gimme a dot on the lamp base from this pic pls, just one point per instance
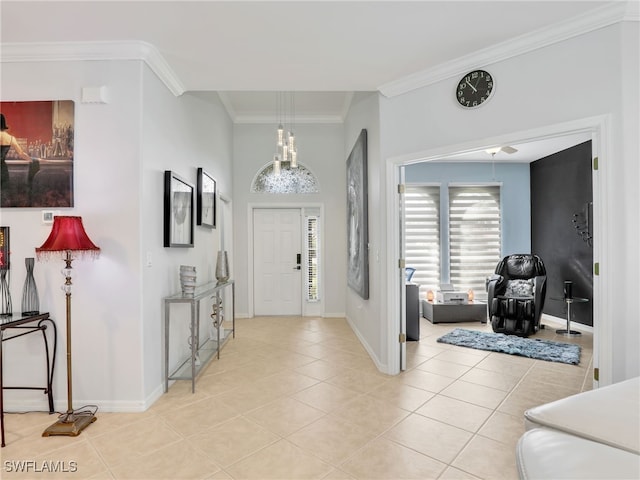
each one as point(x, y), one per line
point(70, 425)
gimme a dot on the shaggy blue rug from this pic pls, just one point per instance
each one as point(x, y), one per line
point(525, 347)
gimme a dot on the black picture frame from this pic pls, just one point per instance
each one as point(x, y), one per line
point(358, 218)
point(178, 211)
point(206, 206)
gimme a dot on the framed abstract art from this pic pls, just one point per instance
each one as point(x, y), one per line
point(206, 206)
point(357, 218)
point(178, 211)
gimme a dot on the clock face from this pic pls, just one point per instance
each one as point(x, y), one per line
point(474, 89)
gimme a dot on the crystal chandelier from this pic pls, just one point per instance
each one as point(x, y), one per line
point(286, 149)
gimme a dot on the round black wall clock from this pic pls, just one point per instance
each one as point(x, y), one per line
point(475, 88)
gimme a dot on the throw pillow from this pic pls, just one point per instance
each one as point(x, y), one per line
point(519, 288)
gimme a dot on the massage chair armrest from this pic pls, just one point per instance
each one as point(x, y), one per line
point(494, 279)
point(495, 285)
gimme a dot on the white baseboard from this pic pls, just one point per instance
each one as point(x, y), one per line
point(32, 405)
point(384, 368)
point(562, 323)
point(324, 315)
point(60, 405)
point(154, 396)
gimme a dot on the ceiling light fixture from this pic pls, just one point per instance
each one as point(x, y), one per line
point(286, 148)
point(506, 149)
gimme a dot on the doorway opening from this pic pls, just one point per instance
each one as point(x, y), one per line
point(597, 129)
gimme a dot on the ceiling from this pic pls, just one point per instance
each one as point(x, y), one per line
point(526, 152)
point(324, 51)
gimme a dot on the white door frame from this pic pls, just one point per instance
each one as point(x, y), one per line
point(250, 258)
point(224, 221)
point(600, 129)
point(403, 254)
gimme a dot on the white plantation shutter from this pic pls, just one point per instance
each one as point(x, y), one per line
point(312, 253)
point(422, 234)
point(474, 236)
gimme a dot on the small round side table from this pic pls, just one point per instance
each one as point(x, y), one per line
point(567, 331)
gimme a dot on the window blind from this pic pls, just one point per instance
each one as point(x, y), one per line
point(312, 252)
point(422, 234)
point(474, 236)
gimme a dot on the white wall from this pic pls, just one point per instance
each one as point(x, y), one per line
point(591, 75)
point(321, 149)
point(368, 317)
point(106, 293)
point(178, 134)
point(627, 176)
point(121, 149)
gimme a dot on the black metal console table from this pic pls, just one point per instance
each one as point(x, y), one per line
point(24, 325)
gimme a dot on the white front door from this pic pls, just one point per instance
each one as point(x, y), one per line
point(277, 250)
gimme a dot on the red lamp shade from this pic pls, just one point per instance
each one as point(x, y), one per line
point(67, 234)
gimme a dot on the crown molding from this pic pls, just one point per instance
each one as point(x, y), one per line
point(300, 119)
point(348, 98)
point(585, 23)
point(92, 51)
point(633, 11)
point(228, 106)
point(270, 119)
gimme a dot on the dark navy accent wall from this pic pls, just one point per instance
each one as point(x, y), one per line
point(561, 188)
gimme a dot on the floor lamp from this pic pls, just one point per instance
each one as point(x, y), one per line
point(69, 239)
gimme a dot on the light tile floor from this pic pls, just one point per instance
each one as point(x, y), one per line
point(298, 398)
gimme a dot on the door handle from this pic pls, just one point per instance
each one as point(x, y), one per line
point(297, 267)
point(298, 261)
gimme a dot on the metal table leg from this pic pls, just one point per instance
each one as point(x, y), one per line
point(568, 332)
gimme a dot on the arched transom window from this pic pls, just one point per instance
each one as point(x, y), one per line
point(288, 181)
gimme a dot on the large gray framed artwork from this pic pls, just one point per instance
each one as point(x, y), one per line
point(358, 218)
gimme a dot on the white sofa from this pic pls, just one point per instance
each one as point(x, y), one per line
point(591, 435)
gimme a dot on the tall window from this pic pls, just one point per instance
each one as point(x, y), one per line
point(312, 254)
point(474, 235)
point(422, 234)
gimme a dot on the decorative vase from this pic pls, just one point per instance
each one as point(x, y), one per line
point(187, 280)
point(222, 267)
point(30, 300)
point(5, 295)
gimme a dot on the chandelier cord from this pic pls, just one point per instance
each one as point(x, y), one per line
point(286, 149)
